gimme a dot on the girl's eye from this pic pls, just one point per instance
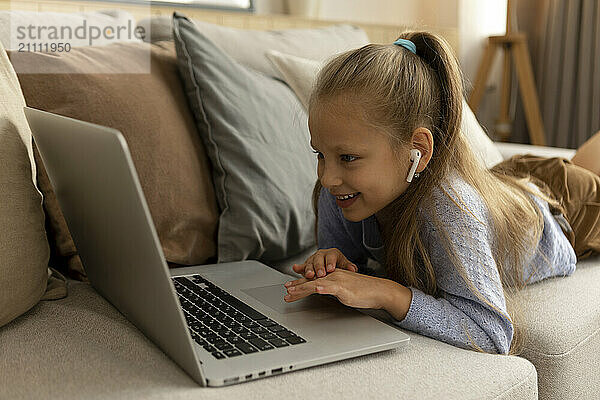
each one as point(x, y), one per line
point(345, 157)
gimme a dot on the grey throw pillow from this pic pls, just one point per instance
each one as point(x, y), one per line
point(256, 136)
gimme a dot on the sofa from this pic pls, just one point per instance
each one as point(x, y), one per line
point(64, 340)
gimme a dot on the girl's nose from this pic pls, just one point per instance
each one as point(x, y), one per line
point(330, 178)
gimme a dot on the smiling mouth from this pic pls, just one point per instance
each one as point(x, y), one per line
point(347, 196)
point(348, 201)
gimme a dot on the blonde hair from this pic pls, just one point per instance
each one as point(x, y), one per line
point(398, 92)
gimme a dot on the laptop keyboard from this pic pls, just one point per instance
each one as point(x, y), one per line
point(225, 326)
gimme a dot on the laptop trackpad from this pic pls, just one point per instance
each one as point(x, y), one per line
point(272, 296)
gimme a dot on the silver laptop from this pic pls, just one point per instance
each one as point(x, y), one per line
point(222, 323)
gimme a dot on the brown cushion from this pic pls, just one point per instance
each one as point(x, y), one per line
point(151, 111)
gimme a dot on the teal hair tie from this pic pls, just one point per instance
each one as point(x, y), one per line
point(407, 44)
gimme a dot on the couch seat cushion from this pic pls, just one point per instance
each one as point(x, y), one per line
point(562, 321)
point(88, 349)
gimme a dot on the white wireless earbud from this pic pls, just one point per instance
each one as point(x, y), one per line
point(415, 157)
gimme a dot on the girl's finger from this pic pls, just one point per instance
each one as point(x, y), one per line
point(295, 282)
point(350, 266)
point(330, 261)
point(319, 265)
point(298, 268)
point(300, 291)
point(309, 270)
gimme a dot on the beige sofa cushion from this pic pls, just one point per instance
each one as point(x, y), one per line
point(92, 351)
point(24, 250)
point(562, 320)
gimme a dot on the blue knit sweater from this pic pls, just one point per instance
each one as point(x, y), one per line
point(457, 313)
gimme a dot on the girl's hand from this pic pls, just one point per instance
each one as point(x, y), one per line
point(322, 262)
point(353, 290)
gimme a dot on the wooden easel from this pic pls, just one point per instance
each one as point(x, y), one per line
point(515, 44)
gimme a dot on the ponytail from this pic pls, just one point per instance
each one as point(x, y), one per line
point(437, 53)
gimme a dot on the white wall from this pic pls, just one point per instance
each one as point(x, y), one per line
point(392, 12)
point(479, 19)
point(475, 20)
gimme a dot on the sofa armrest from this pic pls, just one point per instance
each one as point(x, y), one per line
point(510, 149)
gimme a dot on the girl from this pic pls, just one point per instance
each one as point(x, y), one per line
point(397, 182)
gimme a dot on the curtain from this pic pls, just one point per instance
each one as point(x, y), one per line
point(564, 42)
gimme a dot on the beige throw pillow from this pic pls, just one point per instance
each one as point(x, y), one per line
point(300, 73)
point(24, 251)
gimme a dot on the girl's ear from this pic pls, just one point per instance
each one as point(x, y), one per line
point(422, 139)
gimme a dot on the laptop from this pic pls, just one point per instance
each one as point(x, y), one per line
point(222, 323)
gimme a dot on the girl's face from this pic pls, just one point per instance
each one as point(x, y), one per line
point(355, 158)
